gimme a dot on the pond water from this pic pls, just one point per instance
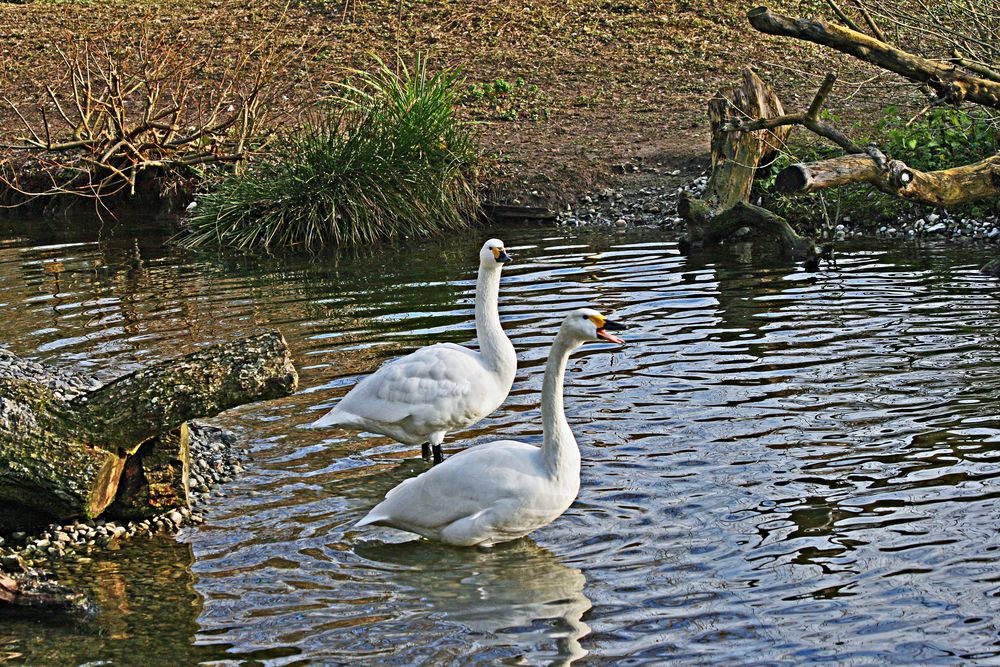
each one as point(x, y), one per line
point(780, 467)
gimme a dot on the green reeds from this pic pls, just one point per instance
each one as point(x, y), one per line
point(392, 160)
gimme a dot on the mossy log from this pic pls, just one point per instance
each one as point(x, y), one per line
point(724, 209)
point(66, 457)
point(945, 187)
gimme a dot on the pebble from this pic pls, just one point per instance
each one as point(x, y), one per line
point(656, 207)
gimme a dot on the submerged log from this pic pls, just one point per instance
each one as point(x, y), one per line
point(725, 213)
point(946, 187)
point(27, 591)
point(66, 457)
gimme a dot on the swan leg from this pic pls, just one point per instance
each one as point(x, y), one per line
point(435, 441)
point(425, 451)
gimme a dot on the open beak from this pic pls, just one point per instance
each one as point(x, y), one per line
point(504, 258)
point(604, 333)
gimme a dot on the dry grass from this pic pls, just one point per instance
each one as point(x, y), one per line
point(603, 82)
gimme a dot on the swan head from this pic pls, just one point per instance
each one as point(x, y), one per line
point(493, 255)
point(586, 324)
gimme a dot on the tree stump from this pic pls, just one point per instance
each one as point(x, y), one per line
point(724, 213)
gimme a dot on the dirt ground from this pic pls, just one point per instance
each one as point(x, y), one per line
point(595, 93)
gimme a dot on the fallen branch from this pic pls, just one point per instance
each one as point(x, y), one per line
point(949, 83)
point(947, 187)
point(809, 119)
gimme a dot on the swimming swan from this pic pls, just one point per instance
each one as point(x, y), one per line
point(419, 398)
point(502, 490)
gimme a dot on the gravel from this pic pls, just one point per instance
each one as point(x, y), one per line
point(619, 208)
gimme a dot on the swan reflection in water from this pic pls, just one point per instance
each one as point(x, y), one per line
point(494, 591)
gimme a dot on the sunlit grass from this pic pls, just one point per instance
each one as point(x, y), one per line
point(390, 160)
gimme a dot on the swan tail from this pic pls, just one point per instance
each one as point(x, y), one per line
point(370, 519)
point(331, 418)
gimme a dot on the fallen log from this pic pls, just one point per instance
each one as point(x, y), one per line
point(946, 187)
point(724, 212)
point(65, 457)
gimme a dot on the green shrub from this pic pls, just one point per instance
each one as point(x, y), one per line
point(942, 138)
point(391, 160)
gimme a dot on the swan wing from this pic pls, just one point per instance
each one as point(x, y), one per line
point(437, 388)
point(468, 483)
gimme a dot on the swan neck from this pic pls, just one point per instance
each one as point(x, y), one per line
point(559, 449)
point(494, 346)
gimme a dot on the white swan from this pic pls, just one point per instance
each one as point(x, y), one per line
point(502, 490)
point(419, 398)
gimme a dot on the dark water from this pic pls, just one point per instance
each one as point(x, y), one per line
point(780, 468)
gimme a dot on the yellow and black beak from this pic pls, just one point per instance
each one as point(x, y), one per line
point(602, 332)
point(500, 254)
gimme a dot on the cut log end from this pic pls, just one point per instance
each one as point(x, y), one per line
point(105, 486)
point(793, 178)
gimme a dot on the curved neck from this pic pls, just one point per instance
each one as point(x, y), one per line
point(494, 346)
point(559, 450)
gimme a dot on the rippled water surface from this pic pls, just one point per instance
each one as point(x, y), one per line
point(779, 468)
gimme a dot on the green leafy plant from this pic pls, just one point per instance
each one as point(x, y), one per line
point(391, 160)
point(503, 100)
point(943, 137)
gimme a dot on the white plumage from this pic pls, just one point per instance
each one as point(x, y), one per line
point(501, 490)
point(419, 398)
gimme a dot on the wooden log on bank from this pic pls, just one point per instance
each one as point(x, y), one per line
point(66, 457)
point(945, 187)
point(724, 213)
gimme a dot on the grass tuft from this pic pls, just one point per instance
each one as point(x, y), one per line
point(390, 160)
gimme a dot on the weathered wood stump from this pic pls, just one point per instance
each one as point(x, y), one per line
point(66, 457)
point(725, 213)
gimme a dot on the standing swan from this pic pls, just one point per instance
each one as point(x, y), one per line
point(502, 490)
point(419, 398)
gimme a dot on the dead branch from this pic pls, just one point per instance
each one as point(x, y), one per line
point(870, 22)
point(117, 119)
point(809, 119)
point(973, 66)
point(948, 83)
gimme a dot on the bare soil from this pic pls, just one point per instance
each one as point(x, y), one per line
point(600, 92)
